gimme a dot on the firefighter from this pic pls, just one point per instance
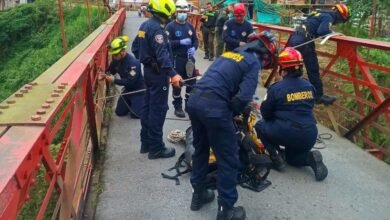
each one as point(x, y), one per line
point(209, 20)
point(183, 40)
point(156, 55)
point(129, 70)
point(236, 31)
point(317, 25)
point(288, 118)
point(224, 91)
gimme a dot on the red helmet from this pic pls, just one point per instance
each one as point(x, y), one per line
point(290, 57)
point(268, 57)
point(344, 11)
point(239, 10)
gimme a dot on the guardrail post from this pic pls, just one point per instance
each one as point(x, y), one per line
point(91, 117)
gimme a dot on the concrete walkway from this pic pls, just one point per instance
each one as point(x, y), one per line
point(358, 185)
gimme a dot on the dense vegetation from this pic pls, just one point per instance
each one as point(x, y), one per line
point(30, 40)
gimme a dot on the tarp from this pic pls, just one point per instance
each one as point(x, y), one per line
point(265, 13)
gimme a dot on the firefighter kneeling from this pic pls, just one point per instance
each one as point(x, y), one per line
point(288, 118)
point(225, 90)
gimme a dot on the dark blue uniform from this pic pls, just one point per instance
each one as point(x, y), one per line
point(233, 33)
point(288, 119)
point(209, 107)
point(177, 32)
point(129, 70)
point(316, 25)
point(156, 56)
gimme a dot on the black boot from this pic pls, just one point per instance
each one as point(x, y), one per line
point(315, 162)
point(166, 152)
point(179, 112)
point(201, 196)
point(144, 149)
point(235, 213)
point(278, 162)
point(326, 100)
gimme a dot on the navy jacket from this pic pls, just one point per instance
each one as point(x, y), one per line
point(233, 33)
point(129, 70)
point(176, 32)
point(153, 46)
point(232, 74)
point(291, 99)
point(319, 24)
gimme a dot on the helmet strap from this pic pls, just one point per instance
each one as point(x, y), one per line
point(162, 18)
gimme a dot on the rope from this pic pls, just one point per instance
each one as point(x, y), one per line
point(176, 136)
point(320, 140)
point(143, 90)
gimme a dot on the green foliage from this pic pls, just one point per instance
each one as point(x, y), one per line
point(32, 42)
point(361, 10)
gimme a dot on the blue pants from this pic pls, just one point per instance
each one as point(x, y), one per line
point(130, 104)
point(297, 139)
point(154, 110)
point(212, 125)
point(180, 67)
point(310, 60)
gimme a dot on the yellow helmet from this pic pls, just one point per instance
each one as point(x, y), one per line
point(162, 7)
point(118, 44)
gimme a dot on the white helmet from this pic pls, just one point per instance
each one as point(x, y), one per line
point(182, 5)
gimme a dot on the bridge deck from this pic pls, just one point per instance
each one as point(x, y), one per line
point(358, 185)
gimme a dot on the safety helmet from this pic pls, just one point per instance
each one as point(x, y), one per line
point(290, 57)
point(344, 11)
point(182, 5)
point(163, 7)
point(269, 49)
point(118, 44)
point(239, 10)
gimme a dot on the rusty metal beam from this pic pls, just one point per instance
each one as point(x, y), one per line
point(63, 36)
point(366, 120)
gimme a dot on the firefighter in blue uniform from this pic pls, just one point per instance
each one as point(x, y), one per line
point(129, 70)
point(156, 56)
point(183, 40)
point(224, 91)
point(236, 31)
point(317, 25)
point(288, 118)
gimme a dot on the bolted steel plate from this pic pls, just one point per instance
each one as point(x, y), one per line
point(27, 109)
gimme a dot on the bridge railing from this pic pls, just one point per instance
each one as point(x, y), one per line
point(362, 111)
point(51, 128)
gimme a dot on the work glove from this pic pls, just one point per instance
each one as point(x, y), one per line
point(237, 105)
point(191, 51)
point(185, 41)
point(176, 81)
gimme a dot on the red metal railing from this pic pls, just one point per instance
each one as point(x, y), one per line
point(69, 105)
point(362, 111)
